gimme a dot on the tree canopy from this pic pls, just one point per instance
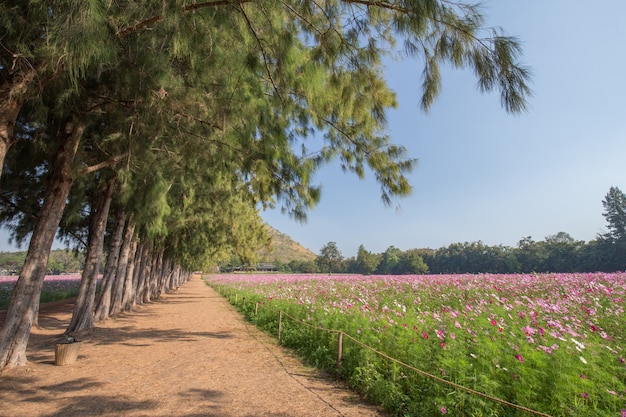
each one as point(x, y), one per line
point(614, 204)
point(330, 258)
point(613, 243)
point(185, 119)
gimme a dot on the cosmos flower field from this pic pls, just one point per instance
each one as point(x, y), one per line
point(551, 344)
point(55, 287)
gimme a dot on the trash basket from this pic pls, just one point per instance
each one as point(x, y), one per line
point(66, 353)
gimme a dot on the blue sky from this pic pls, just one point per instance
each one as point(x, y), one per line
point(487, 175)
point(484, 174)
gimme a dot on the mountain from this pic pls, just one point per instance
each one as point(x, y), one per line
point(285, 249)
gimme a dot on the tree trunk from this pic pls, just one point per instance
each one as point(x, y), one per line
point(6, 137)
point(148, 274)
point(184, 277)
point(110, 269)
point(130, 286)
point(13, 93)
point(169, 276)
point(138, 277)
point(82, 316)
point(24, 303)
point(146, 268)
point(121, 281)
point(173, 281)
point(158, 272)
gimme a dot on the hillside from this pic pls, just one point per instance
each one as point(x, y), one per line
point(285, 249)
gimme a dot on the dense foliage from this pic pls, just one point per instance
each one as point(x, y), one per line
point(552, 343)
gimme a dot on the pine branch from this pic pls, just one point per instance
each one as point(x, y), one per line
point(190, 8)
point(107, 101)
point(6, 201)
point(76, 237)
point(381, 4)
point(197, 6)
point(114, 160)
point(202, 122)
point(265, 55)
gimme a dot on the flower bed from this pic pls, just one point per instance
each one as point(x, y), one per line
point(55, 287)
point(550, 342)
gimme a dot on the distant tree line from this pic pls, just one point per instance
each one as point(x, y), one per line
point(556, 253)
point(60, 261)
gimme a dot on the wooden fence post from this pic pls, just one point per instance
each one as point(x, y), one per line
point(256, 308)
point(339, 349)
point(280, 323)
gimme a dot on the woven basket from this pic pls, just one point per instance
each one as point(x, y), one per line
point(66, 353)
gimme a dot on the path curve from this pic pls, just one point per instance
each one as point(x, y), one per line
point(188, 354)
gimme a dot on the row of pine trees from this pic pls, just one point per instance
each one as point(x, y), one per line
point(174, 123)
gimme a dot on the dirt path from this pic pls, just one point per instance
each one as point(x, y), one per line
point(187, 354)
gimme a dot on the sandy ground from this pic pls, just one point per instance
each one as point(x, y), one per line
point(187, 354)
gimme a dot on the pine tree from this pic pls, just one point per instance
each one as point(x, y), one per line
point(614, 204)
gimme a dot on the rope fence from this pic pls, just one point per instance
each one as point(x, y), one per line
point(340, 335)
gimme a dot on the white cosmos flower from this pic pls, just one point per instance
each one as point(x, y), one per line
point(579, 345)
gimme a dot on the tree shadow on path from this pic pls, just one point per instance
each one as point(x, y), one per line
point(132, 336)
point(69, 399)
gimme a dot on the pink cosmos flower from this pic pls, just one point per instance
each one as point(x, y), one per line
point(444, 410)
point(546, 349)
point(519, 358)
point(584, 395)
